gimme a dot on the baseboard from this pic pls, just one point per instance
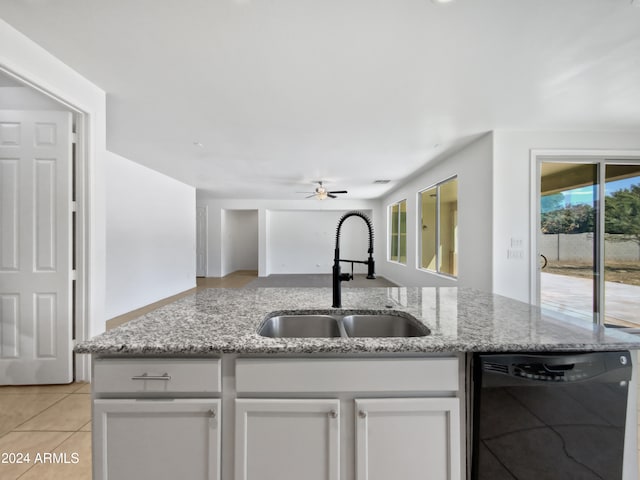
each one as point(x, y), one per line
point(138, 312)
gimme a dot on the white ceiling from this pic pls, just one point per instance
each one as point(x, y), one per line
point(283, 92)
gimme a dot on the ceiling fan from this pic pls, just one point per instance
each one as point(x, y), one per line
point(321, 193)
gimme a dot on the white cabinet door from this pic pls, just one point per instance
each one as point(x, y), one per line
point(411, 439)
point(287, 439)
point(156, 439)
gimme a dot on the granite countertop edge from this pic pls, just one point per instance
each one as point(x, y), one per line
point(212, 322)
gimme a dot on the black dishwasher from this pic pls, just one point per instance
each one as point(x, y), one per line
point(549, 416)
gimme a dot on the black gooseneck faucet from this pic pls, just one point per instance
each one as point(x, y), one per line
point(338, 277)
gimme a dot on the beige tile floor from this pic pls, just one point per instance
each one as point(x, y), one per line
point(56, 419)
point(52, 424)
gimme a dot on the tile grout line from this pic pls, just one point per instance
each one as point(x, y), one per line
point(39, 413)
point(49, 450)
point(70, 432)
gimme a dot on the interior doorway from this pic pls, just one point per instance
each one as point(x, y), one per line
point(42, 212)
point(240, 249)
point(589, 238)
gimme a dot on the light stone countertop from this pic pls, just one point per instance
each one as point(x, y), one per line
point(214, 321)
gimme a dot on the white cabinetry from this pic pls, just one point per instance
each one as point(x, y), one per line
point(395, 418)
point(156, 419)
point(284, 418)
point(156, 439)
point(406, 437)
point(287, 439)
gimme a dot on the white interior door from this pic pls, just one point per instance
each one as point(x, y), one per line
point(36, 311)
point(201, 241)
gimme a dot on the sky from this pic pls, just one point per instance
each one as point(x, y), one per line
point(584, 195)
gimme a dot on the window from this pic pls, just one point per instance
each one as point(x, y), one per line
point(398, 232)
point(439, 226)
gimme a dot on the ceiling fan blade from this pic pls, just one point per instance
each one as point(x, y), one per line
point(338, 191)
point(309, 196)
point(330, 195)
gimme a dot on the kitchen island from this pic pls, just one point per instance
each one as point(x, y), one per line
point(192, 390)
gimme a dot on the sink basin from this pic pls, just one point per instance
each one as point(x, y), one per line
point(342, 324)
point(383, 325)
point(302, 326)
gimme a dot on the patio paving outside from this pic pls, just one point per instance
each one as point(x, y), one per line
point(573, 296)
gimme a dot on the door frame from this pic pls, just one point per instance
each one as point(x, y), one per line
point(202, 226)
point(80, 294)
point(537, 156)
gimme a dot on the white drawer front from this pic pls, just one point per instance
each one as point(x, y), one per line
point(420, 375)
point(156, 375)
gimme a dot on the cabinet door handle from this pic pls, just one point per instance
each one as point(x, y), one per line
point(362, 414)
point(212, 413)
point(333, 414)
point(144, 376)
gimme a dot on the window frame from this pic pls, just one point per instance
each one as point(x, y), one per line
point(400, 235)
point(420, 223)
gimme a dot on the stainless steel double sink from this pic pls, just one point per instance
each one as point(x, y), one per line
point(391, 323)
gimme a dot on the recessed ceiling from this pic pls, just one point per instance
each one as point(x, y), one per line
point(280, 93)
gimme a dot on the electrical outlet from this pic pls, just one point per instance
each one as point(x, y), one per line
point(515, 254)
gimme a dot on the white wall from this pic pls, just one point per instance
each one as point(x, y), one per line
point(29, 61)
point(303, 241)
point(239, 240)
point(270, 233)
point(512, 205)
point(151, 236)
point(473, 167)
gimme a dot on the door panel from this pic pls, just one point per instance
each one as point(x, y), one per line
point(35, 247)
point(9, 215)
point(568, 195)
point(589, 239)
point(139, 439)
point(287, 439)
point(622, 245)
point(9, 313)
point(201, 241)
point(44, 213)
point(404, 438)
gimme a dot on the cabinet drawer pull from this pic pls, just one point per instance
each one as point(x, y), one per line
point(144, 376)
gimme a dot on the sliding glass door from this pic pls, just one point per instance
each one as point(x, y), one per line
point(589, 239)
point(621, 260)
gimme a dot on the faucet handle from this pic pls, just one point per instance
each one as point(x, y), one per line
point(345, 277)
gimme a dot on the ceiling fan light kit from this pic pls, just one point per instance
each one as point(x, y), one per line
point(321, 193)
